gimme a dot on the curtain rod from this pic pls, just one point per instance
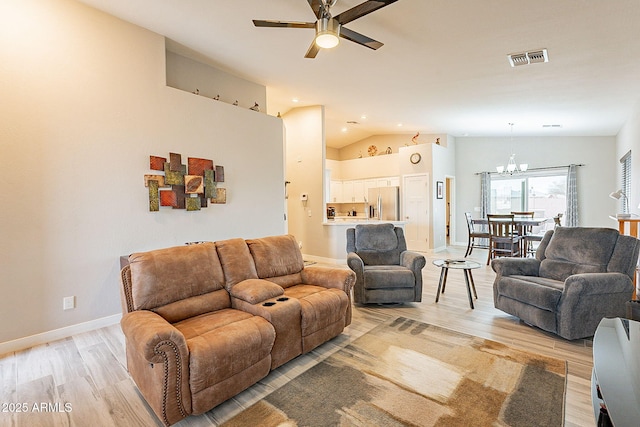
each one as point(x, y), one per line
point(533, 169)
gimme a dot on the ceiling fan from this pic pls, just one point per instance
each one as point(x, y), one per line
point(329, 28)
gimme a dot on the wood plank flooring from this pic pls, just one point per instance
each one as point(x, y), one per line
point(87, 372)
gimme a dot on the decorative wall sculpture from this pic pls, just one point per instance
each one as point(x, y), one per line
point(191, 186)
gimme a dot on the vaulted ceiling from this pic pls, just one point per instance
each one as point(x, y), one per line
point(443, 67)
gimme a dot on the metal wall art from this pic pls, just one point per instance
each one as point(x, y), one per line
point(191, 186)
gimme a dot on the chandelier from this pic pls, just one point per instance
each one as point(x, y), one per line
point(512, 168)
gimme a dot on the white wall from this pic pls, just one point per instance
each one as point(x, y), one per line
point(629, 139)
point(595, 180)
point(305, 170)
point(84, 104)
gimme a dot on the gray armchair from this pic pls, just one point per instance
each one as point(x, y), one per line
point(578, 277)
point(385, 271)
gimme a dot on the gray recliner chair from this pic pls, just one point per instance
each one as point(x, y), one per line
point(385, 271)
point(579, 276)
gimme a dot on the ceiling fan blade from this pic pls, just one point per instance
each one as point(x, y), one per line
point(361, 10)
point(360, 38)
point(283, 24)
point(313, 50)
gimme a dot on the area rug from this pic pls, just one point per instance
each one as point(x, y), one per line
point(408, 373)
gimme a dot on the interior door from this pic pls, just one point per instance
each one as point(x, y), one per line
point(416, 211)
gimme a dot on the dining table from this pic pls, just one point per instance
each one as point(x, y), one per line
point(523, 223)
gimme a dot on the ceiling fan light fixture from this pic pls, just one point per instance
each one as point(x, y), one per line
point(327, 33)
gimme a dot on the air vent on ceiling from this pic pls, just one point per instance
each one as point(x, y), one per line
point(525, 58)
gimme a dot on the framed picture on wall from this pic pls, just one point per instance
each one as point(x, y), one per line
point(439, 189)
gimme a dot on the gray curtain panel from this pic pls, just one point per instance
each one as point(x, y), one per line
point(572, 197)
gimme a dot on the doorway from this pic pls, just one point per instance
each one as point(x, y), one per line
point(450, 210)
point(416, 211)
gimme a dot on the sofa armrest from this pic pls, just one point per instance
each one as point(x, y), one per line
point(151, 341)
point(329, 277)
point(148, 332)
point(516, 266)
point(414, 261)
point(254, 291)
point(355, 263)
point(589, 297)
point(598, 284)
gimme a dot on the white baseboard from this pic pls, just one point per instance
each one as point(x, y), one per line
point(57, 334)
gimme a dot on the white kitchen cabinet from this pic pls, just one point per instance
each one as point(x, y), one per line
point(358, 191)
point(336, 192)
point(347, 191)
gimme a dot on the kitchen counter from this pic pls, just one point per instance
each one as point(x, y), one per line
point(354, 220)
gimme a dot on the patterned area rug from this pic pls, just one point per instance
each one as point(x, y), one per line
point(407, 373)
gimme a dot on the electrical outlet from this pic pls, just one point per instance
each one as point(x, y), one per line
point(68, 303)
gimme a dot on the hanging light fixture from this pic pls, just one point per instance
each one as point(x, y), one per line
point(512, 168)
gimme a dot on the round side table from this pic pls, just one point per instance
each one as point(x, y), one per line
point(457, 264)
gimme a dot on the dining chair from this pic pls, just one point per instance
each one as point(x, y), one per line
point(504, 239)
point(557, 220)
point(526, 232)
point(475, 234)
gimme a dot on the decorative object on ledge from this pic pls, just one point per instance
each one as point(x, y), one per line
point(437, 141)
point(373, 150)
point(255, 107)
point(415, 138)
point(236, 103)
point(388, 151)
point(191, 186)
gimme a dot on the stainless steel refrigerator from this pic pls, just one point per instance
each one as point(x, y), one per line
point(384, 203)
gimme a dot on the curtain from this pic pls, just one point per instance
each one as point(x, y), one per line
point(572, 197)
point(485, 193)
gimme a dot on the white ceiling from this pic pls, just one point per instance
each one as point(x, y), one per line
point(443, 68)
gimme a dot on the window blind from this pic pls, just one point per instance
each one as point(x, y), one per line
point(626, 180)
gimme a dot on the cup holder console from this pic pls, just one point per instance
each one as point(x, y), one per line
point(272, 303)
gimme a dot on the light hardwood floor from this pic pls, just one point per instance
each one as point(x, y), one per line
point(87, 372)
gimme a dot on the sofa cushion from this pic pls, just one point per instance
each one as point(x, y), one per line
point(276, 256)
point(163, 276)
point(388, 276)
point(236, 261)
point(574, 250)
point(194, 306)
point(378, 244)
point(539, 292)
point(379, 237)
point(321, 307)
point(223, 344)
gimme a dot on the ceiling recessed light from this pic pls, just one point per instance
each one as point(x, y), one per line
point(551, 126)
point(399, 125)
point(295, 100)
point(344, 129)
point(363, 117)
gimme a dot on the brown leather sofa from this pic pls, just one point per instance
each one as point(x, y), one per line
point(204, 322)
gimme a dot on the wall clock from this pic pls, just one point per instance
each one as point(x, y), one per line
point(415, 158)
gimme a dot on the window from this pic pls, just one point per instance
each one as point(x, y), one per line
point(626, 181)
point(544, 193)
